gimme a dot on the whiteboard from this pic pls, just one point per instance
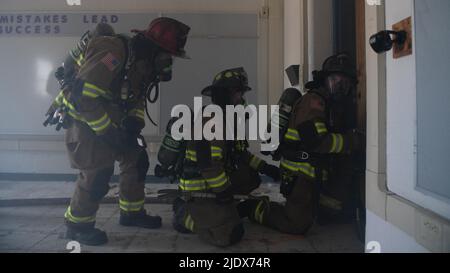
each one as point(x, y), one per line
point(27, 84)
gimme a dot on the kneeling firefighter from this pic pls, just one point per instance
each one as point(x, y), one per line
point(307, 143)
point(214, 171)
point(106, 104)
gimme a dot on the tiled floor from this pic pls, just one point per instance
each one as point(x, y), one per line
point(40, 229)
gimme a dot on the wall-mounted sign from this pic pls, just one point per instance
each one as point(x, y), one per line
point(66, 24)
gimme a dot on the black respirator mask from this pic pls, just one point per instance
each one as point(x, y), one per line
point(156, 65)
point(163, 66)
point(339, 87)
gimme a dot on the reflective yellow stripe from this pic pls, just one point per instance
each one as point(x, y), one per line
point(302, 167)
point(255, 162)
point(337, 143)
point(216, 152)
point(131, 206)
point(192, 184)
point(137, 113)
point(259, 212)
point(203, 184)
point(80, 60)
point(78, 220)
point(321, 128)
point(100, 124)
point(191, 155)
point(93, 91)
point(59, 99)
point(218, 181)
point(330, 202)
point(292, 134)
point(72, 111)
point(189, 223)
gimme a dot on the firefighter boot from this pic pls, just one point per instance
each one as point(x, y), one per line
point(181, 219)
point(139, 219)
point(177, 203)
point(87, 235)
point(245, 208)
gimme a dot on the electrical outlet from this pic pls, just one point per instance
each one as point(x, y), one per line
point(446, 239)
point(429, 232)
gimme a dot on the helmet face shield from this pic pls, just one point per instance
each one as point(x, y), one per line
point(339, 85)
point(237, 97)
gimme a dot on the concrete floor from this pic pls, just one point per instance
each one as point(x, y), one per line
point(40, 229)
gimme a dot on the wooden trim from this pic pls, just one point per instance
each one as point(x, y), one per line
point(361, 64)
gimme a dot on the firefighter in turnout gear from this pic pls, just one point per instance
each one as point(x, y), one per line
point(105, 104)
point(219, 169)
point(306, 145)
point(66, 73)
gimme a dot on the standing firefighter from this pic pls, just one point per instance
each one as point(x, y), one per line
point(304, 151)
point(67, 73)
point(106, 105)
point(214, 171)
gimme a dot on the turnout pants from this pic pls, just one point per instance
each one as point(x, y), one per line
point(95, 161)
point(297, 215)
point(217, 223)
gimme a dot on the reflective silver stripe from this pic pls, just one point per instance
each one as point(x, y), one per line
point(254, 162)
point(131, 206)
point(321, 128)
point(216, 152)
point(330, 202)
point(218, 181)
point(78, 220)
point(191, 155)
point(101, 124)
point(189, 223)
point(259, 211)
point(192, 184)
point(93, 91)
point(337, 143)
point(292, 134)
point(137, 113)
point(59, 99)
point(302, 167)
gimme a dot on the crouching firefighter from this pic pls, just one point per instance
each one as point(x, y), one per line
point(106, 104)
point(307, 143)
point(214, 171)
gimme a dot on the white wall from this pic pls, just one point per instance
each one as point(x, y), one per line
point(402, 122)
point(390, 238)
point(293, 37)
point(320, 33)
point(397, 224)
point(308, 36)
point(240, 6)
point(38, 152)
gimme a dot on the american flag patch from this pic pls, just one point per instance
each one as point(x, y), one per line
point(110, 61)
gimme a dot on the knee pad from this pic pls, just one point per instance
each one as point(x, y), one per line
point(143, 164)
point(101, 183)
point(236, 234)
